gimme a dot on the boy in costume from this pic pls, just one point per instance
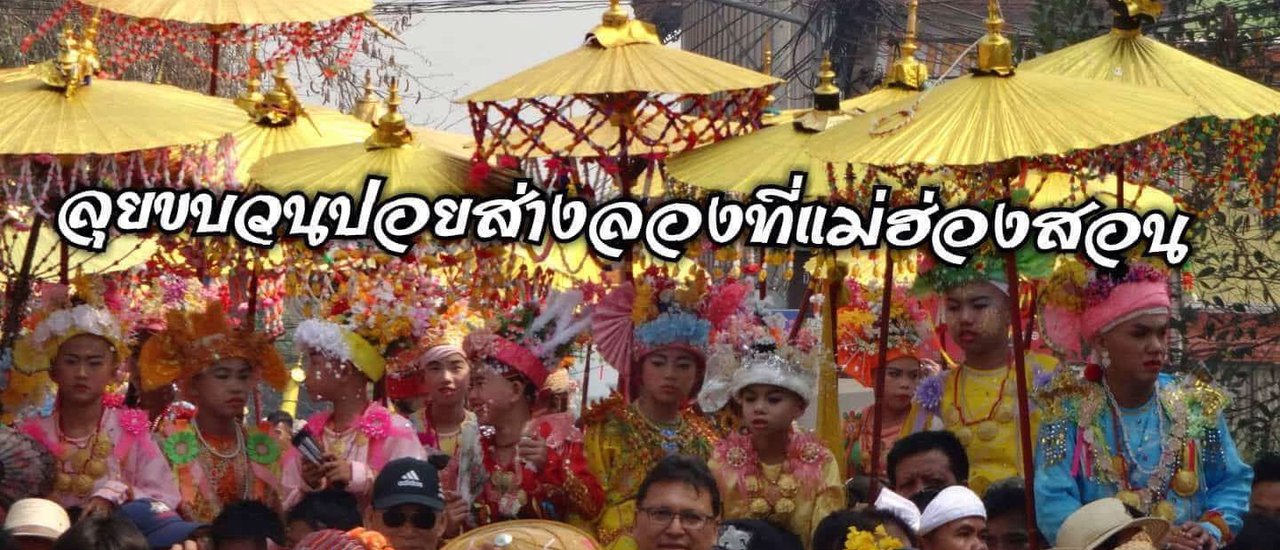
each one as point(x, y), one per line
point(1157, 442)
point(772, 470)
point(358, 437)
point(654, 331)
point(216, 460)
point(105, 453)
point(534, 465)
point(978, 400)
point(910, 341)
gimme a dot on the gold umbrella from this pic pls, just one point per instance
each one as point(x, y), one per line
point(275, 124)
point(17, 73)
point(392, 152)
point(654, 126)
point(123, 252)
point(234, 12)
point(995, 115)
point(1125, 55)
point(1060, 189)
point(59, 114)
point(768, 156)
point(624, 55)
point(525, 534)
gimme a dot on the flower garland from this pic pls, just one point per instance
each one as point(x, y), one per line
point(801, 473)
point(858, 539)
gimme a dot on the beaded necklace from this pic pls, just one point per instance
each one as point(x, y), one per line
point(215, 462)
point(78, 469)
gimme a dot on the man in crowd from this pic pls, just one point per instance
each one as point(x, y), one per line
point(927, 460)
point(1006, 502)
point(954, 520)
point(35, 523)
point(407, 505)
point(678, 506)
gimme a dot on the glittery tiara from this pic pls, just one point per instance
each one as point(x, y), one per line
point(754, 347)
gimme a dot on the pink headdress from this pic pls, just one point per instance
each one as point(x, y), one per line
point(532, 338)
point(657, 311)
point(1081, 303)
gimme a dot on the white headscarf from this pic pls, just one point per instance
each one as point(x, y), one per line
point(953, 503)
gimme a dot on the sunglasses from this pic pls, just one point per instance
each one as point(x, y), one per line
point(396, 518)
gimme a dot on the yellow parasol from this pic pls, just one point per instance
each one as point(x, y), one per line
point(995, 115)
point(123, 252)
point(1060, 189)
point(48, 116)
point(624, 55)
point(655, 126)
point(526, 534)
point(275, 124)
point(392, 152)
point(1125, 55)
point(12, 74)
point(234, 12)
point(766, 156)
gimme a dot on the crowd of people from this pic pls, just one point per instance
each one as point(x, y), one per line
point(698, 448)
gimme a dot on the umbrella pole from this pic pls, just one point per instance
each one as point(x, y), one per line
point(1024, 407)
point(20, 288)
point(215, 49)
point(64, 259)
point(586, 378)
point(827, 419)
point(877, 422)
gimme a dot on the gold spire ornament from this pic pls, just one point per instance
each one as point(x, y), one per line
point(826, 103)
point(252, 95)
point(366, 108)
point(391, 129)
point(995, 52)
point(907, 72)
point(618, 29)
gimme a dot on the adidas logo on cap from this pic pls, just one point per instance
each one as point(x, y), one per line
point(410, 479)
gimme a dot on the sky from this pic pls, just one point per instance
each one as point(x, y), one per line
point(465, 52)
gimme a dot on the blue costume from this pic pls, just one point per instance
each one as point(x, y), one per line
point(1175, 458)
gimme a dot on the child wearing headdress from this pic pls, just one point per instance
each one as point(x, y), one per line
point(978, 400)
point(216, 459)
point(534, 465)
point(655, 332)
point(1126, 429)
point(911, 343)
point(104, 451)
point(773, 470)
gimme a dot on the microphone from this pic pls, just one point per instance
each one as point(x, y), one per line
point(306, 445)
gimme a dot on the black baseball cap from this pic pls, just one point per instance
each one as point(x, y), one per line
point(408, 481)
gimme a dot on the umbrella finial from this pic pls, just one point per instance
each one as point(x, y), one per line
point(1130, 15)
point(826, 97)
point(767, 69)
point(615, 16)
point(252, 96)
point(366, 108)
point(907, 71)
point(280, 106)
point(618, 29)
point(67, 70)
point(392, 130)
point(995, 52)
point(89, 61)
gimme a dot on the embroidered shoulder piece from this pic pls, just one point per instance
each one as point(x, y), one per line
point(1201, 401)
point(601, 412)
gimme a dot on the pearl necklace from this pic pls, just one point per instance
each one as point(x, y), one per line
point(1124, 440)
point(213, 450)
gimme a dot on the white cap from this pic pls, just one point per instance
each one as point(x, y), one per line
point(37, 517)
point(898, 505)
point(953, 503)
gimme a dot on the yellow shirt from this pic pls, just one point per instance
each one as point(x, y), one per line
point(621, 446)
point(795, 494)
point(984, 418)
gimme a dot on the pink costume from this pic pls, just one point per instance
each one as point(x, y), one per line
point(378, 437)
point(134, 466)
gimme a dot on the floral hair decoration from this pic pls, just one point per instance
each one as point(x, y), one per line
point(1082, 302)
point(340, 343)
point(858, 539)
point(754, 347)
point(986, 264)
point(193, 341)
point(60, 317)
point(658, 311)
point(858, 328)
point(531, 339)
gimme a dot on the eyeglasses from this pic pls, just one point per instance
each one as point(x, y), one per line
point(690, 521)
point(397, 518)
